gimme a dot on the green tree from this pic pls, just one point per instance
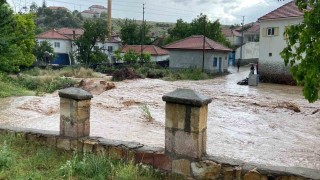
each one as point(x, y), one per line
point(41, 49)
point(94, 30)
point(199, 26)
point(16, 39)
point(303, 49)
point(131, 32)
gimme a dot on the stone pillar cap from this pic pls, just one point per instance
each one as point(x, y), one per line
point(187, 97)
point(75, 93)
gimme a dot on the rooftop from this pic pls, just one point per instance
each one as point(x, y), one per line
point(286, 11)
point(151, 49)
point(195, 42)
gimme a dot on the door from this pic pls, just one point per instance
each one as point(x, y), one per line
point(220, 64)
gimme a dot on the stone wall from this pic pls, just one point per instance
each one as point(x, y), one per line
point(208, 167)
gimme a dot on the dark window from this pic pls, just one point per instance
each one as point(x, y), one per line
point(270, 54)
point(215, 62)
point(110, 48)
point(270, 31)
point(57, 44)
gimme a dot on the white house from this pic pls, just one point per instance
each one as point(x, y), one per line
point(98, 8)
point(157, 54)
point(196, 52)
point(62, 41)
point(89, 14)
point(233, 36)
point(273, 41)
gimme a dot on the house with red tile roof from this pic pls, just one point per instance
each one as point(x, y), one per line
point(273, 41)
point(90, 14)
point(62, 41)
point(157, 54)
point(98, 8)
point(198, 52)
point(233, 36)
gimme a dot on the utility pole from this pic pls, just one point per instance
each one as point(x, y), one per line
point(109, 19)
point(204, 42)
point(142, 30)
point(241, 39)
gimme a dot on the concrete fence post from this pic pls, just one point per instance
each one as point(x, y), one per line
point(186, 128)
point(74, 112)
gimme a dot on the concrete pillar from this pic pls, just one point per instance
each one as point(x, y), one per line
point(74, 112)
point(186, 124)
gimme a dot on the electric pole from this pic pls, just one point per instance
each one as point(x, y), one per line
point(241, 39)
point(142, 29)
point(204, 41)
point(109, 19)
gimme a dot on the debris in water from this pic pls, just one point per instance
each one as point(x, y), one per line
point(289, 106)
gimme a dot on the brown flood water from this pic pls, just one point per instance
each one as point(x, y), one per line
point(246, 123)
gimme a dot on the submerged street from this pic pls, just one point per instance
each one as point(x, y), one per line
point(254, 124)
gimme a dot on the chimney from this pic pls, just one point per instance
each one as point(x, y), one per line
point(109, 19)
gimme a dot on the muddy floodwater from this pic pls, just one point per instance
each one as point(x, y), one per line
point(254, 124)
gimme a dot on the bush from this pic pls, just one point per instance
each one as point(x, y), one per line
point(187, 74)
point(9, 87)
point(45, 84)
point(125, 73)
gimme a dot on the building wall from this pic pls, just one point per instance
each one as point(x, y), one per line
point(99, 10)
point(234, 40)
point(193, 59)
point(159, 58)
point(250, 53)
point(65, 45)
point(88, 15)
point(270, 62)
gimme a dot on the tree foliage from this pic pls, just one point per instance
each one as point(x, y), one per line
point(303, 49)
point(131, 57)
point(41, 49)
point(131, 32)
point(16, 39)
point(94, 30)
point(199, 26)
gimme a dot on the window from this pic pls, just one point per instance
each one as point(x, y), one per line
point(215, 62)
point(110, 48)
point(270, 31)
point(270, 54)
point(57, 44)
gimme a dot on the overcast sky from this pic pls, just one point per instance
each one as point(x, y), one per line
point(227, 11)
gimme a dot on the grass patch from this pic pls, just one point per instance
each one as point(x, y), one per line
point(76, 72)
point(146, 112)
point(22, 160)
point(8, 88)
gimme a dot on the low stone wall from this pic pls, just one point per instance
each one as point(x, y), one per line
point(208, 167)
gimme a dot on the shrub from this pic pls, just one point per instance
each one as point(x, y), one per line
point(187, 74)
point(125, 73)
point(146, 112)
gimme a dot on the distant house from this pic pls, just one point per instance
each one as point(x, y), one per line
point(250, 47)
point(157, 54)
point(61, 44)
point(233, 36)
point(188, 53)
point(62, 41)
point(273, 41)
point(98, 8)
point(90, 14)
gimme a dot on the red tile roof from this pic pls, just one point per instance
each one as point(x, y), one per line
point(151, 49)
point(227, 32)
point(69, 32)
point(285, 11)
point(255, 28)
point(89, 12)
point(98, 7)
point(52, 34)
point(196, 43)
